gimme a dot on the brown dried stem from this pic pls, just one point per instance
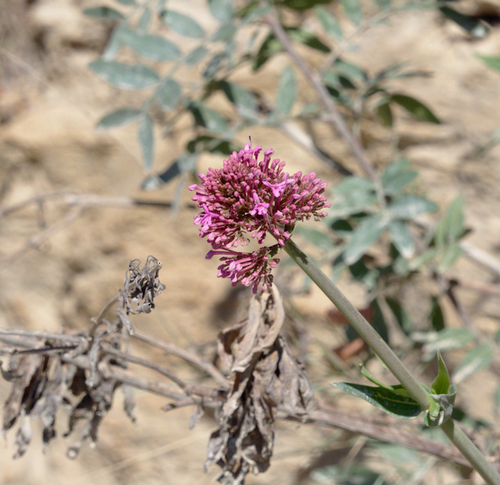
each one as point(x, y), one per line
point(211, 396)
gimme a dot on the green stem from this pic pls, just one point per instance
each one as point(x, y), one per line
point(365, 330)
point(471, 452)
point(392, 361)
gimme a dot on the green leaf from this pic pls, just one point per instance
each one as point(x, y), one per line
point(363, 238)
point(353, 11)
point(182, 24)
point(441, 383)
point(268, 48)
point(384, 113)
point(397, 176)
point(436, 316)
point(476, 359)
point(214, 65)
point(422, 259)
point(225, 33)
point(441, 409)
point(119, 117)
point(144, 21)
point(496, 399)
point(222, 10)
point(250, 15)
point(107, 13)
point(378, 321)
point(452, 225)
point(493, 62)
point(383, 4)
point(303, 4)
point(449, 257)
point(401, 238)
point(352, 196)
point(243, 99)
point(124, 76)
point(127, 2)
point(318, 238)
point(473, 26)
point(146, 141)
point(208, 118)
point(168, 94)
point(389, 401)
point(212, 145)
point(304, 37)
point(350, 71)
point(408, 206)
point(329, 23)
point(402, 316)
point(448, 339)
point(287, 92)
point(154, 47)
point(115, 43)
point(351, 474)
point(196, 56)
point(415, 107)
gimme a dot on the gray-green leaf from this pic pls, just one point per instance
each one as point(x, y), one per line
point(168, 94)
point(287, 91)
point(401, 238)
point(353, 11)
point(196, 56)
point(208, 118)
point(447, 339)
point(222, 10)
point(389, 401)
point(243, 99)
point(329, 23)
point(118, 117)
point(182, 24)
point(146, 141)
point(107, 13)
point(416, 108)
point(124, 76)
point(363, 238)
point(154, 47)
point(476, 359)
point(451, 227)
point(409, 206)
point(441, 383)
point(397, 176)
point(492, 62)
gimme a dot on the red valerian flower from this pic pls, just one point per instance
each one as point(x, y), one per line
point(248, 197)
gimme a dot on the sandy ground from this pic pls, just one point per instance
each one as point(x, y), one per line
point(49, 104)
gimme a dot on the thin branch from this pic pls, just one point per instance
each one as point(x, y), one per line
point(36, 241)
point(78, 203)
point(197, 361)
point(211, 397)
point(333, 116)
point(30, 334)
point(389, 434)
point(480, 256)
point(146, 363)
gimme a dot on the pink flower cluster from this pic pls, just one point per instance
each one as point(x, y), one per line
point(252, 197)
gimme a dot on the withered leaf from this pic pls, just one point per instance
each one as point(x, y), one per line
point(266, 378)
point(24, 388)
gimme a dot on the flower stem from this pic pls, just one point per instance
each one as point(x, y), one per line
point(392, 361)
point(365, 330)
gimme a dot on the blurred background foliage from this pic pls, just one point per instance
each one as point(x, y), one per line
point(382, 229)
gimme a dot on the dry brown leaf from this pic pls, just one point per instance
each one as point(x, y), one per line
point(266, 378)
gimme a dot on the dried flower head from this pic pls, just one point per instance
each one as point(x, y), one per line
point(251, 198)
